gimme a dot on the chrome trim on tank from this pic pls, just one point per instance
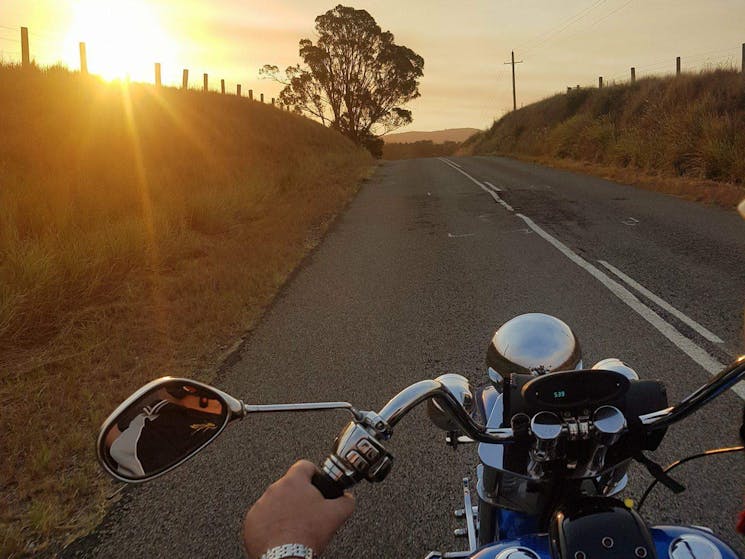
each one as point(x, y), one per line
point(693, 546)
point(517, 553)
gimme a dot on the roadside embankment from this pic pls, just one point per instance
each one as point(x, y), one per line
point(142, 230)
point(682, 135)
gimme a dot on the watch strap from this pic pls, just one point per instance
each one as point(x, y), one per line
point(289, 550)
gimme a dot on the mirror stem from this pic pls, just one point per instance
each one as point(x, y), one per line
point(310, 406)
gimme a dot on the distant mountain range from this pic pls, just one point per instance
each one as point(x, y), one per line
point(436, 136)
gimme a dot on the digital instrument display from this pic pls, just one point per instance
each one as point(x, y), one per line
point(575, 389)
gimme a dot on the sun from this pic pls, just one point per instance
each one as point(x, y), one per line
point(124, 38)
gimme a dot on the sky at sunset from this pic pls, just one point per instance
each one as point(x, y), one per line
point(464, 44)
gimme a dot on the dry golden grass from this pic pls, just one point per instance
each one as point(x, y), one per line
point(683, 135)
point(141, 230)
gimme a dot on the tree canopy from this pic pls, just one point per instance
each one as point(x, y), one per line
point(354, 78)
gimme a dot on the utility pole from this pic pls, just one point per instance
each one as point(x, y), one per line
point(514, 96)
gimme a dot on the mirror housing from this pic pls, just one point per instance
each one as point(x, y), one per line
point(162, 425)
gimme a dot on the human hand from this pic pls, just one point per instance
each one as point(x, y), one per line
point(292, 510)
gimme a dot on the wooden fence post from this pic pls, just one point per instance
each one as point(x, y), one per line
point(633, 74)
point(25, 56)
point(83, 59)
point(743, 59)
point(238, 90)
point(251, 94)
point(158, 81)
point(222, 86)
point(272, 101)
point(206, 82)
point(185, 79)
point(262, 97)
point(569, 89)
point(677, 66)
point(600, 82)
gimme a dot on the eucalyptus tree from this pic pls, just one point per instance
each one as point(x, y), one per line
point(354, 77)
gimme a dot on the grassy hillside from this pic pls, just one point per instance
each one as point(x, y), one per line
point(436, 136)
point(141, 231)
point(690, 127)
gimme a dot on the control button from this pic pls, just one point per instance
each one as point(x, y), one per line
point(357, 462)
point(607, 542)
point(580, 555)
point(368, 450)
point(380, 470)
point(640, 552)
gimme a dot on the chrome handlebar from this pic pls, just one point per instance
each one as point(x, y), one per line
point(718, 384)
point(359, 452)
point(410, 397)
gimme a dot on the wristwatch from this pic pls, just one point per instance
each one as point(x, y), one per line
point(289, 550)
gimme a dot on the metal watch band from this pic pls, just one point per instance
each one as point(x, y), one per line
point(289, 550)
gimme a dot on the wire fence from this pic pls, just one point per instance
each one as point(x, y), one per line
point(15, 48)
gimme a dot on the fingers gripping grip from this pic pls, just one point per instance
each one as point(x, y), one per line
point(328, 487)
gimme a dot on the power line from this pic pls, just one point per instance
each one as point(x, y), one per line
point(611, 13)
point(581, 16)
point(544, 37)
point(606, 16)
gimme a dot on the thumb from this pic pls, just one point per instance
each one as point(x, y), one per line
point(343, 507)
point(303, 469)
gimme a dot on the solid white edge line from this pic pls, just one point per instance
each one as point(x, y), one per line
point(495, 188)
point(494, 195)
point(708, 334)
point(690, 348)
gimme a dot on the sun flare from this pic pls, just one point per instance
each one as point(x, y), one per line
point(123, 38)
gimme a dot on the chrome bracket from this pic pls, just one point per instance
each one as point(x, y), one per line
point(453, 439)
point(372, 420)
point(470, 530)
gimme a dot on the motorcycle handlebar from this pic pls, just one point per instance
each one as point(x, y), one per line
point(329, 488)
point(718, 384)
point(410, 397)
point(333, 480)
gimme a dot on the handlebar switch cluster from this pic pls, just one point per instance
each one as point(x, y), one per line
point(358, 455)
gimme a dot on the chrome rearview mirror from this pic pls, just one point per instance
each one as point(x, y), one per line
point(160, 426)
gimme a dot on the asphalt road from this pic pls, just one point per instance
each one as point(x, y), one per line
point(410, 284)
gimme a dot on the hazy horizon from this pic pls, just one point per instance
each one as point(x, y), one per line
point(465, 83)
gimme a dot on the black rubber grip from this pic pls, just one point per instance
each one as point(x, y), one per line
point(327, 486)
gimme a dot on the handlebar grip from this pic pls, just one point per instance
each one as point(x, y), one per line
point(329, 488)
